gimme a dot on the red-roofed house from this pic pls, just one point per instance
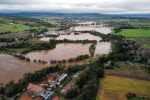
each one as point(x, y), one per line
point(51, 79)
point(56, 98)
point(37, 90)
point(56, 74)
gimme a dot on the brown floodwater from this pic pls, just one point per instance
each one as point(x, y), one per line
point(103, 48)
point(62, 51)
point(68, 50)
point(82, 36)
point(98, 28)
point(12, 68)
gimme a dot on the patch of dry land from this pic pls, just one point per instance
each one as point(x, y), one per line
point(116, 88)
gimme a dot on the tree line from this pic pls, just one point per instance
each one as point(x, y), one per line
point(78, 58)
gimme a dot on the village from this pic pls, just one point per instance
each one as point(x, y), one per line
point(54, 85)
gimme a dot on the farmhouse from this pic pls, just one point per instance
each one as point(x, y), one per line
point(34, 89)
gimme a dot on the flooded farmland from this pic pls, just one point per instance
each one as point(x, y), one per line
point(16, 68)
point(101, 29)
point(13, 69)
point(82, 36)
point(62, 51)
point(103, 48)
point(68, 50)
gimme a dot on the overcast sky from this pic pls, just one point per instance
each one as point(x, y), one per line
point(77, 6)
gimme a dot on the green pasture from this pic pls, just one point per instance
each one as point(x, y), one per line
point(136, 24)
point(13, 28)
point(138, 33)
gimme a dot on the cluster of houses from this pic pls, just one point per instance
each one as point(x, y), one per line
point(46, 91)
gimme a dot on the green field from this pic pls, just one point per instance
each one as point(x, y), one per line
point(137, 24)
point(13, 27)
point(116, 88)
point(141, 42)
point(139, 33)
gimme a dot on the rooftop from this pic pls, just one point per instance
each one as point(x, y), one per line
point(34, 88)
point(56, 98)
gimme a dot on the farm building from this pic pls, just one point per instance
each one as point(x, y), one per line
point(61, 78)
point(35, 89)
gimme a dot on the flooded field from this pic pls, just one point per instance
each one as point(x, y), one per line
point(16, 68)
point(13, 69)
point(103, 48)
point(68, 50)
point(82, 36)
point(62, 51)
point(101, 29)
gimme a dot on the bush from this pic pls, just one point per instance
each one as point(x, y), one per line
point(72, 92)
point(131, 95)
point(71, 60)
point(81, 57)
point(39, 61)
point(27, 59)
point(59, 61)
point(44, 62)
point(64, 61)
point(34, 60)
point(2, 90)
point(20, 57)
point(53, 61)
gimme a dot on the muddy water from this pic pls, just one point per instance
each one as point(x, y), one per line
point(82, 36)
point(103, 48)
point(62, 51)
point(12, 68)
point(68, 50)
point(101, 29)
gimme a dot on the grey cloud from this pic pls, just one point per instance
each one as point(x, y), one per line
point(78, 6)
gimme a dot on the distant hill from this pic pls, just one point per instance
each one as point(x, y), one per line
point(50, 14)
point(133, 15)
point(73, 14)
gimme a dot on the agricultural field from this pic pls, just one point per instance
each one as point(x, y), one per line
point(116, 88)
point(143, 42)
point(136, 71)
point(134, 33)
point(36, 41)
point(138, 24)
point(15, 35)
point(13, 27)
